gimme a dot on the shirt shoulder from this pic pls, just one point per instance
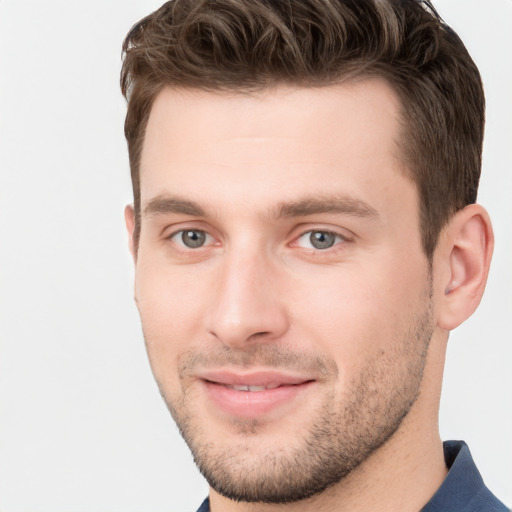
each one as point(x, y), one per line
point(463, 489)
point(205, 506)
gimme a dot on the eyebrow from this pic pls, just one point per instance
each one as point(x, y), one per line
point(170, 204)
point(336, 204)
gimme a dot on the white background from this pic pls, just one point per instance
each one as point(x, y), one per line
point(81, 423)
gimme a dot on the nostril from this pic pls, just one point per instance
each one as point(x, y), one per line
point(259, 334)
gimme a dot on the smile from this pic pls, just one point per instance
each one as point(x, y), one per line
point(253, 395)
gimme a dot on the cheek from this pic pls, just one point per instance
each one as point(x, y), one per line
point(170, 309)
point(360, 312)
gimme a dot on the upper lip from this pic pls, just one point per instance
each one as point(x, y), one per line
point(253, 378)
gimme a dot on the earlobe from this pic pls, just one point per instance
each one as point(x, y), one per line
point(468, 243)
point(129, 217)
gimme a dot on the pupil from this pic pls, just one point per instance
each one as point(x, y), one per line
point(321, 239)
point(193, 239)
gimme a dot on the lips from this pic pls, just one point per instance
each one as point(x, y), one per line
point(254, 394)
point(262, 378)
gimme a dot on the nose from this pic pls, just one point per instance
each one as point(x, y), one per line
point(248, 304)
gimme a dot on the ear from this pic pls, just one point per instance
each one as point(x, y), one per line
point(129, 218)
point(465, 252)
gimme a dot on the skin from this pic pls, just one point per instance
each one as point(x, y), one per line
point(364, 321)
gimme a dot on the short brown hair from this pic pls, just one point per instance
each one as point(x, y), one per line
point(248, 45)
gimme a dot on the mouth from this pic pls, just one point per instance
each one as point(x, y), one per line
point(250, 388)
point(255, 394)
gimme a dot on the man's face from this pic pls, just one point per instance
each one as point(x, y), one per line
point(284, 295)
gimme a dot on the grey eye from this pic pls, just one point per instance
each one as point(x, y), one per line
point(193, 238)
point(322, 239)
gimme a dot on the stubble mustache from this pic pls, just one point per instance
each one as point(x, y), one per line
point(267, 356)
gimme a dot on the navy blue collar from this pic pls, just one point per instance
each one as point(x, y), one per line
point(463, 489)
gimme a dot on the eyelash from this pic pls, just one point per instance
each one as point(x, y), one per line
point(181, 232)
point(342, 239)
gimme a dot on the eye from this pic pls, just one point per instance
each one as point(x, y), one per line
point(191, 238)
point(319, 240)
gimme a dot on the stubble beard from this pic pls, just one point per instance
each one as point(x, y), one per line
point(344, 432)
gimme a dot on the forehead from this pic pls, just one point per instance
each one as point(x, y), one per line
point(367, 107)
point(275, 143)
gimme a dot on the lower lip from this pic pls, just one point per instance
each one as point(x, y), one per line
point(253, 404)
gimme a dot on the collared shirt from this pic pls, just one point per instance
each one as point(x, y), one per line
point(463, 489)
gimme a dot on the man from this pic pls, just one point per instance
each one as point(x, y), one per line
point(305, 236)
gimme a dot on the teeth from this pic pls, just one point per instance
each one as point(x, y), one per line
point(252, 388)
